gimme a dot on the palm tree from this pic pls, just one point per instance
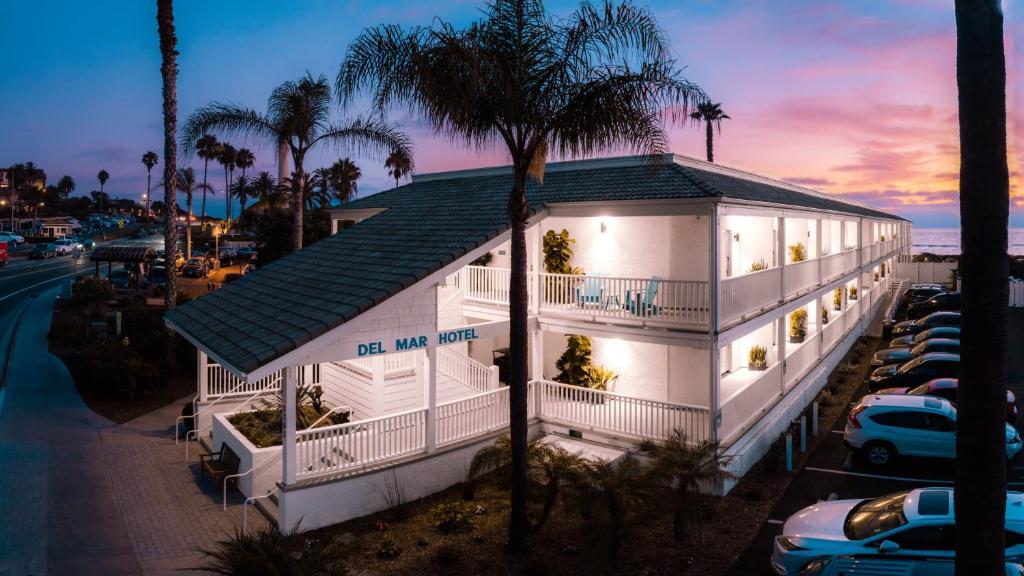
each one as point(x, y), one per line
point(187, 185)
point(264, 186)
point(207, 148)
point(681, 469)
point(343, 177)
point(298, 114)
point(242, 189)
point(103, 176)
point(399, 166)
point(616, 490)
point(598, 80)
point(710, 113)
point(149, 159)
point(226, 158)
point(65, 186)
point(169, 73)
point(267, 550)
point(980, 484)
point(243, 159)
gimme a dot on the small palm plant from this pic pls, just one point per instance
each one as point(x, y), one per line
point(680, 469)
point(757, 358)
point(797, 252)
point(837, 299)
point(269, 552)
point(599, 377)
point(758, 265)
point(615, 492)
point(798, 325)
point(824, 315)
point(853, 292)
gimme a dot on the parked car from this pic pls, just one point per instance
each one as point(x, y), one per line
point(123, 279)
point(930, 321)
point(915, 372)
point(88, 244)
point(3, 254)
point(158, 276)
point(901, 355)
point(913, 523)
point(43, 251)
point(921, 292)
point(882, 427)
point(196, 268)
point(66, 246)
point(11, 238)
point(890, 565)
point(945, 302)
point(949, 332)
point(946, 388)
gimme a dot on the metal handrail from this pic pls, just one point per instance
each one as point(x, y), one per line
point(195, 432)
point(245, 508)
point(195, 413)
point(224, 500)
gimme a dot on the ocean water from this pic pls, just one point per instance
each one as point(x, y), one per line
point(944, 241)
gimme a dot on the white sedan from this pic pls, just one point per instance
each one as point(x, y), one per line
point(9, 238)
point(912, 523)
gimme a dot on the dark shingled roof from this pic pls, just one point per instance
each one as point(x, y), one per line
point(427, 225)
point(122, 254)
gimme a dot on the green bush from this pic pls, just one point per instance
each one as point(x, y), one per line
point(114, 368)
point(797, 252)
point(450, 517)
point(90, 290)
point(574, 363)
point(269, 552)
point(69, 330)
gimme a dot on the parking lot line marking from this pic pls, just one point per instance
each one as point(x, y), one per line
point(774, 521)
point(838, 431)
point(877, 476)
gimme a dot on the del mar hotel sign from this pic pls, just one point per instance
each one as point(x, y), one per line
point(416, 342)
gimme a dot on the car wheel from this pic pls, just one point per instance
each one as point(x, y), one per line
point(879, 453)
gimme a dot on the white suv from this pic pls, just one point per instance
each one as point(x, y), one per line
point(881, 427)
point(910, 524)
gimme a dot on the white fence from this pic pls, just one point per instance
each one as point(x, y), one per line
point(801, 276)
point(742, 295)
point(464, 369)
point(485, 284)
point(356, 444)
point(833, 266)
point(675, 301)
point(472, 416)
point(832, 334)
point(926, 272)
point(748, 403)
point(801, 359)
point(221, 383)
point(624, 415)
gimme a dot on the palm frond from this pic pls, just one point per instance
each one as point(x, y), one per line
point(226, 119)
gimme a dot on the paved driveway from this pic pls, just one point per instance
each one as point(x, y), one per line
point(831, 470)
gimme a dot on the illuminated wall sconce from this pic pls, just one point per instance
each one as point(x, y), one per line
point(604, 227)
point(736, 237)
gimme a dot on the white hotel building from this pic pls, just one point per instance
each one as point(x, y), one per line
point(687, 266)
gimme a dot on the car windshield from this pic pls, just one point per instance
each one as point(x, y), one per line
point(876, 516)
point(119, 274)
point(922, 390)
point(195, 262)
point(919, 349)
point(911, 365)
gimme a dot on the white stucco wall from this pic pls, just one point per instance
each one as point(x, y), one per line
point(756, 243)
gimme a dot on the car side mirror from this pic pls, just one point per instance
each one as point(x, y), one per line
point(888, 546)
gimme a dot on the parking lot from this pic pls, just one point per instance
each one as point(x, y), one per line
point(831, 472)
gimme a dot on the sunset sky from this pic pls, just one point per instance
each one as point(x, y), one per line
point(855, 97)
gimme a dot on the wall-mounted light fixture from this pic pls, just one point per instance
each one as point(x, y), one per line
point(736, 237)
point(604, 227)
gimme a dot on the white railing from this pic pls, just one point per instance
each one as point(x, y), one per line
point(396, 364)
point(654, 299)
point(832, 333)
point(748, 403)
point(800, 276)
point(472, 416)
point(636, 417)
point(220, 382)
point(852, 314)
point(465, 370)
point(850, 258)
point(801, 360)
point(357, 444)
point(742, 295)
point(833, 266)
point(269, 383)
point(485, 284)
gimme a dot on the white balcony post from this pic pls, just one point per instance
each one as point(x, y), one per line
point(288, 446)
point(202, 375)
point(377, 368)
point(533, 261)
point(817, 243)
point(782, 257)
point(781, 347)
point(429, 366)
point(537, 354)
point(715, 275)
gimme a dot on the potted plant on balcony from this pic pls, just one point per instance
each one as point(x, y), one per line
point(558, 252)
point(876, 276)
point(824, 315)
point(758, 265)
point(574, 363)
point(757, 358)
point(882, 269)
point(853, 292)
point(797, 252)
point(599, 378)
point(798, 325)
point(483, 260)
point(837, 299)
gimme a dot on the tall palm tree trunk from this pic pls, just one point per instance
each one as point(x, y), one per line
point(984, 212)
point(518, 311)
point(299, 184)
point(188, 229)
point(206, 165)
point(149, 178)
point(227, 198)
point(169, 71)
point(709, 138)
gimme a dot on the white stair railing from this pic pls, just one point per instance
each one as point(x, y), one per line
point(461, 368)
point(347, 446)
point(233, 392)
point(196, 431)
point(245, 507)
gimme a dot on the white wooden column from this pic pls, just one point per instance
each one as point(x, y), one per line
point(377, 367)
point(289, 454)
point(533, 262)
point(202, 375)
point(715, 294)
point(817, 244)
point(781, 248)
point(780, 339)
point(430, 395)
point(536, 354)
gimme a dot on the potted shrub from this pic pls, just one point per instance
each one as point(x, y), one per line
point(758, 265)
point(574, 364)
point(798, 325)
point(876, 276)
point(837, 299)
point(824, 315)
point(883, 269)
point(797, 252)
point(757, 358)
point(853, 293)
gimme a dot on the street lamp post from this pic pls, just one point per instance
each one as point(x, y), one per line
point(216, 245)
point(11, 202)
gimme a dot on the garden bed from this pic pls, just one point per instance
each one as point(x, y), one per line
point(263, 427)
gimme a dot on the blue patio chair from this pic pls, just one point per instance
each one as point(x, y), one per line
point(641, 302)
point(591, 291)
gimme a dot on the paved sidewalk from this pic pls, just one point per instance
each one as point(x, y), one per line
point(80, 495)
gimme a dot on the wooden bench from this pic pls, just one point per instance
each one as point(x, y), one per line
point(219, 465)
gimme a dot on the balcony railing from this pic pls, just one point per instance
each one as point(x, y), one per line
point(221, 383)
point(833, 266)
point(801, 359)
point(801, 276)
point(754, 395)
point(361, 443)
point(630, 299)
point(749, 293)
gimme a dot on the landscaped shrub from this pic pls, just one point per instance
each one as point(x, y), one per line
point(90, 290)
point(269, 552)
point(599, 377)
point(797, 252)
point(837, 299)
point(115, 368)
point(450, 517)
point(574, 363)
point(388, 549)
point(824, 315)
point(853, 293)
point(758, 265)
point(558, 252)
point(757, 358)
point(798, 325)
point(69, 330)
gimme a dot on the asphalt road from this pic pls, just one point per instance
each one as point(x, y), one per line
point(831, 470)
